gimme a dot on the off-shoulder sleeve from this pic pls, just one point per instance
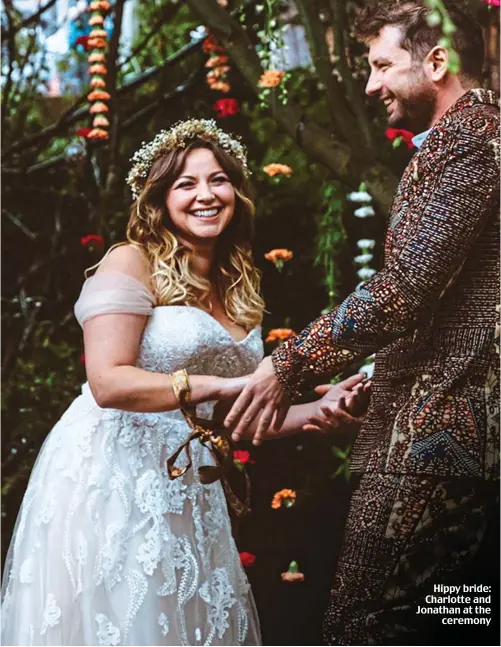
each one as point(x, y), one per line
point(113, 293)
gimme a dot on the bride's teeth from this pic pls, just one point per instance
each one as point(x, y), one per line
point(206, 213)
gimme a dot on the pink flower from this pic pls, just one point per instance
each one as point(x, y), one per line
point(92, 241)
point(247, 559)
point(226, 107)
point(397, 135)
point(493, 3)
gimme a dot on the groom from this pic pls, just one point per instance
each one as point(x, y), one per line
point(428, 451)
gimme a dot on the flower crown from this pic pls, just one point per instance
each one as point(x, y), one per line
point(177, 137)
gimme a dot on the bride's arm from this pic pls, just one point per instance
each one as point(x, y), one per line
point(341, 407)
point(112, 343)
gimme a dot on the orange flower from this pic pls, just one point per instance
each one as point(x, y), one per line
point(97, 82)
point(293, 574)
point(99, 95)
point(102, 5)
point(96, 57)
point(271, 78)
point(280, 334)
point(214, 61)
point(96, 43)
point(98, 134)
point(222, 86)
point(280, 254)
point(100, 122)
point(98, 107)
point(98, 33)
point(96, 20)
point(218, 72)
point(283, 497)
point(212, 45)
point(277, 169)
point(98, 69)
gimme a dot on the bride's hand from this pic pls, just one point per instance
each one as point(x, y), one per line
point(231, 387)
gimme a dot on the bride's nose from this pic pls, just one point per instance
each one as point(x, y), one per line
point(205, 194)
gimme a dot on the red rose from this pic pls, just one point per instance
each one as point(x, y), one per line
point(247, 559)
point(400, 134)
point(83, 132)
point(92, 240)
point(82, 40)
point(242, 456)
point(226, 107)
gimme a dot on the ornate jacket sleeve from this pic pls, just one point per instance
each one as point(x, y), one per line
point(413, 280)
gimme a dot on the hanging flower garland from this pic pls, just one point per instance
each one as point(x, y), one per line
point(96, 45)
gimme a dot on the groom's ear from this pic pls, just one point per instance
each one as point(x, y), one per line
point(436, 64)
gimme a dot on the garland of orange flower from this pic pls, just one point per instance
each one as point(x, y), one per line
point(98, 96)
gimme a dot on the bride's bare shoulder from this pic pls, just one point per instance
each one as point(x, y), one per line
point(128, 259)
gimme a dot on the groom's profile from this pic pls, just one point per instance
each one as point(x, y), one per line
point(428, 451)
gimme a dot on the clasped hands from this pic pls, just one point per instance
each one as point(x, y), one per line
point(264, 401)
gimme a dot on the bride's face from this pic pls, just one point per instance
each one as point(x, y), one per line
point(201, 202)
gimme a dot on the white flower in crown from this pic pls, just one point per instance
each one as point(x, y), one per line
point(178, 136)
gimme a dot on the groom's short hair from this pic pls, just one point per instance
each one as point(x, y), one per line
point(418, 37)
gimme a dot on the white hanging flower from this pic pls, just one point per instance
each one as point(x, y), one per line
point(364, 212)
point(198, 33)
point(366, 243)
point(362, 259)
point(359, 196)
point(365, 273)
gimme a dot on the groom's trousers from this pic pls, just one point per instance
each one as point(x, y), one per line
point(403, 536)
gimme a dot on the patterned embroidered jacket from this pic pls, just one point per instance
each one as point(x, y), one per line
point(430, 312)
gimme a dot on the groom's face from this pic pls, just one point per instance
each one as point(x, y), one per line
point(400, 81)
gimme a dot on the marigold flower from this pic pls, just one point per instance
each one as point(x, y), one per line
point(96, 19)
point(279, 334)
point(96, 43)
point(98, 107)
point(99, 95)
point(292, 574)
point(221, 86)
point(97, 82)
point(277, 169)
point(96, 57)
point(100, 122)
point(218, 72)
point(247, 559)
point(271, 78)
point(285, 497)
point(279, 254)
point(214, 61)
point(98, 33)
point(226, 107)
point(92, 240)
point(98, 69)
point(397, 135)
point(98, 134)
point(102, 5)
point(211, 44)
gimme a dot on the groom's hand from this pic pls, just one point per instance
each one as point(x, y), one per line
point(263, 396)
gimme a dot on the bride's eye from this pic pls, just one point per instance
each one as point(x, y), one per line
point(184, 185)
point(220, 178)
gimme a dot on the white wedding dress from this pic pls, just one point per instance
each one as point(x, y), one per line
point(107, 549)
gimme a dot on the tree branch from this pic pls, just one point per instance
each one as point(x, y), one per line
point(338, 9)
point(317, 143)
point(14, 29)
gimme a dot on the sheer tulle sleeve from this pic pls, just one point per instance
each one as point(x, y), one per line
point(113, 292)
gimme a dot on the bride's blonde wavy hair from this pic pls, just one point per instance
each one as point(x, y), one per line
point(235, 277)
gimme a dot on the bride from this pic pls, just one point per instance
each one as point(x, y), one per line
point(108, 550)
